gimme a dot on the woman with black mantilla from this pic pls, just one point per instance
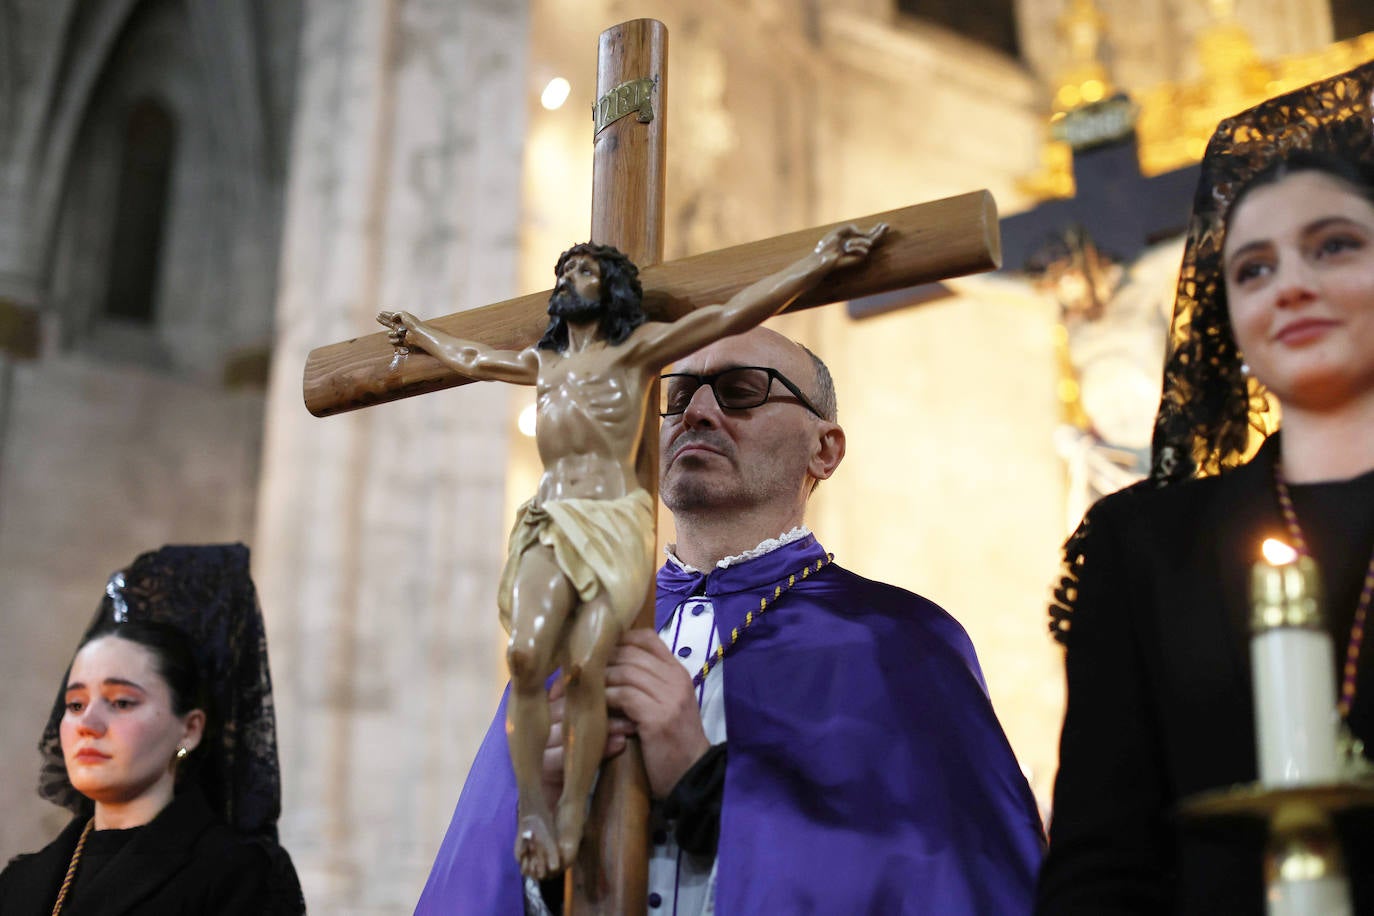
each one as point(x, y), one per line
point(1276, 294)
point(162, 742)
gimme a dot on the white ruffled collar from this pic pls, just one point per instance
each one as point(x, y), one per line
point(765, 546)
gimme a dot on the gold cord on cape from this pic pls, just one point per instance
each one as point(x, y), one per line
point(764, 604)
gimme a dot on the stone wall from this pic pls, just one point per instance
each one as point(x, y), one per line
point(379, 538)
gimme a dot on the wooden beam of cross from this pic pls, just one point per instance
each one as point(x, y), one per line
point(924, 243)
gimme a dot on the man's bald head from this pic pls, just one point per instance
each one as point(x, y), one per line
point(766, 457)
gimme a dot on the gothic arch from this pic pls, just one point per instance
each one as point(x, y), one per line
point(232, 91)
point(225, 75)
point(139, 220)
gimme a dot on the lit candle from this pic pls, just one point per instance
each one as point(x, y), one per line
point(1293, 671)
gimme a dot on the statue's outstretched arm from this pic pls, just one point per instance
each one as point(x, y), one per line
point(751, 306)
point(469, 357)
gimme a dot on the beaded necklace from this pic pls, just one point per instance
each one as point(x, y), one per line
point(764, 604)
point(1352, 649)
point(71, 868)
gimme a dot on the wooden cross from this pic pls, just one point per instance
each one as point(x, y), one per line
point(1114, 207)
point(925, 243)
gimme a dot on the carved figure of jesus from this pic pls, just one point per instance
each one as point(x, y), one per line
point(580, 558)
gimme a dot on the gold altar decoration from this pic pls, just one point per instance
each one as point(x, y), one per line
point(1175, 120)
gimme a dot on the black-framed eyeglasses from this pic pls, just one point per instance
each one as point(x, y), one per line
point(738, 388)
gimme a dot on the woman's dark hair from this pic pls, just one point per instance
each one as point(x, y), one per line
point(174, 657)
point(1356, 175)
point(622, 296)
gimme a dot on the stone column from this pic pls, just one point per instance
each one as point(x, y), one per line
point(381, 532)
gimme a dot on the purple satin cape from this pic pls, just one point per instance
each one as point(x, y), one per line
point(867, 772)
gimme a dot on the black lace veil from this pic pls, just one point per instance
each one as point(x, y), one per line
point(1209, 406)
point(207, 592)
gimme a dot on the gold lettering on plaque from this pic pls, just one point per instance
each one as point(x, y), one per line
point(635, 95)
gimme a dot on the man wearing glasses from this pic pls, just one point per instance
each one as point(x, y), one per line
point(866, 770)
point(580, 557)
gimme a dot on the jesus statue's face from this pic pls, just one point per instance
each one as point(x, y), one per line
point(577, 297)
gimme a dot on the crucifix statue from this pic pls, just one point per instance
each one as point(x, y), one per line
point(594, 399)
point(581, 556)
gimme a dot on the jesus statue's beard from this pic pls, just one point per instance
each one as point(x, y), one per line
point(568, 304)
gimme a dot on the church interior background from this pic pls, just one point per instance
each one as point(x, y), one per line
point(194, 194)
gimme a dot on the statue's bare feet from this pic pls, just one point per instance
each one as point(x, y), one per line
point(535, 849)
point(572, 816)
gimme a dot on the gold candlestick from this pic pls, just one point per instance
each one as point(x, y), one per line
point(1302, 783)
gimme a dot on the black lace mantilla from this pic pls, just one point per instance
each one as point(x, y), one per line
point(1065, 593)
point(1209, 406)
point(207, 592)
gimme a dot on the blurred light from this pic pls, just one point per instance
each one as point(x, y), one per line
point(1093, 91)
point(1072, 287)
point(526, 422)
point(1277, 553)
point(555, 93)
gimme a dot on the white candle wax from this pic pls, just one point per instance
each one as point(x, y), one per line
point(1326, 896)
point(1295, 709)
point(1293, 673)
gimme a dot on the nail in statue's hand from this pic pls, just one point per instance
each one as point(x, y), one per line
point(396, 326)
point(850, 245)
